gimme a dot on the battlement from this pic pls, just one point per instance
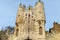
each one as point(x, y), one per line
point(55, 28)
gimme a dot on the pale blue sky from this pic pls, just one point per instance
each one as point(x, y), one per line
point(9, 8)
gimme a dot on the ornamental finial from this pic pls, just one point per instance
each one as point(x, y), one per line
point(20, 4)
point(39, 0)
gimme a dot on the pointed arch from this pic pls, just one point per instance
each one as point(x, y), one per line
point(40, 30)
point(17, 32)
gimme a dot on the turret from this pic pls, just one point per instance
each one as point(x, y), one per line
point(40, 19)
point(39, 10)
point(20, 14)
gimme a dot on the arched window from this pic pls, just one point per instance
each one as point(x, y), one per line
point(28, 39)
point(16, 24)
point(40, 30)
point(29, 15)
point(17, 32)
point(39, 22)
point(18, 15)
point(32, 16)
point(26, 14)
point(29, 8)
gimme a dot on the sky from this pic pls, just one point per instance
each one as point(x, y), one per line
point(9, 8)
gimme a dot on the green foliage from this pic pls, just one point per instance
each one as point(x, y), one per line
point(3, 35)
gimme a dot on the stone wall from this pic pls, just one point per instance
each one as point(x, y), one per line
point(53, 36)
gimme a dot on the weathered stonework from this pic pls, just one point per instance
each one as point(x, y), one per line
point(54, 33)
point(30, 23)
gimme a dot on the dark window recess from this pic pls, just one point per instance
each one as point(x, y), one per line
point(28, 21)
point(49, 30)
point(26, 14)
point(26, 17)
point(32, 16)
point(18, 15)
point(34, 19)
point(17, 32)
point(32, 13)
point(29, 8)
point(40, 30)
point(39, 22)
point(28, 39)
point(39, 11)
point(29, 15)
point(16, 24)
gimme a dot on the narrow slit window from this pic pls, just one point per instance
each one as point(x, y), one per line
point(16, 24)
point(26, 14)
point(28, 21)
point(32, 13)
point(32, 16)
point(40, 30)
point(17, 32)
point(18, 15)
point(29, 15)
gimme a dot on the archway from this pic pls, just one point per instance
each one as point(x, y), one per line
point(28, 38)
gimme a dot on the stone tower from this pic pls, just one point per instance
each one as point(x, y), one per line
point(39, 21)
point(30, 23)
